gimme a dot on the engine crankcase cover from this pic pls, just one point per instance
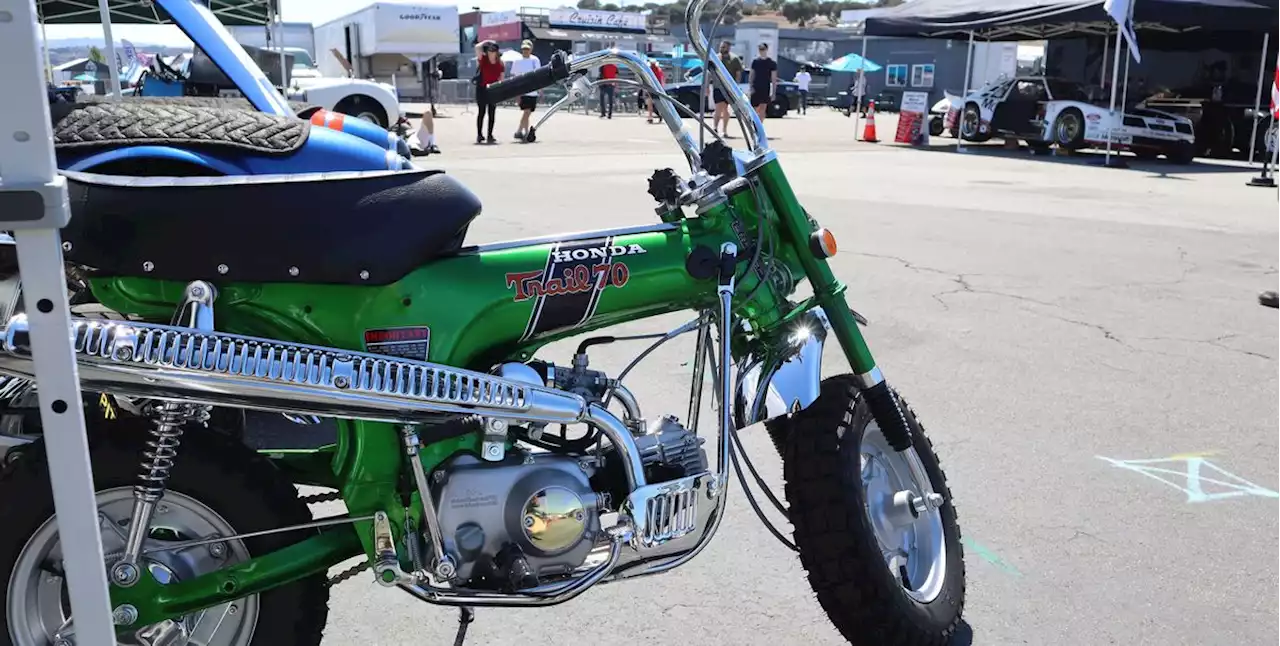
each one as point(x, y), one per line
point(542, 504)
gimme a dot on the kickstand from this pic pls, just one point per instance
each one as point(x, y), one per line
point(465, 616)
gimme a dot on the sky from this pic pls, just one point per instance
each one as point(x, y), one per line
point(312, 11)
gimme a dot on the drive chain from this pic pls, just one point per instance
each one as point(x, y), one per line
point(348, 573)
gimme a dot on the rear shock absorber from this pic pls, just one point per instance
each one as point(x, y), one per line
point(168, 420)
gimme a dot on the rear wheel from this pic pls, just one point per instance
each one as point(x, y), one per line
point(216, 488)
point(1181, 154)
point(881, 546)
point(363, 107)
point(1068, 129)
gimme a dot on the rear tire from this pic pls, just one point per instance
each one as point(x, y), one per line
point(1068, 129)
point(825, 465)
point(1182, 154)
point(241, 487)
point(363, 107)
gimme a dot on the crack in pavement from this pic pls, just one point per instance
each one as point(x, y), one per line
point(1216, 342)
point(961, 279)
point(966, 287)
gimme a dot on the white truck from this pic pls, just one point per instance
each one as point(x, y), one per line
point(368, 100)
point(384, 39)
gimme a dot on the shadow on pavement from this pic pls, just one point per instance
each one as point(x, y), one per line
point(963, 635)
point(1159, 167)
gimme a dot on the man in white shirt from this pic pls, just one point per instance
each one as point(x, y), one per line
point(526, 63)
point(802, 79)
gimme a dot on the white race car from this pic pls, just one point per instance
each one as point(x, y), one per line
point(1046, 111)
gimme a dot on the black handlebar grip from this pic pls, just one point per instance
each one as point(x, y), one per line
point(556, 70)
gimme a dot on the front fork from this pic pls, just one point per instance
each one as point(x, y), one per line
point(829, 294)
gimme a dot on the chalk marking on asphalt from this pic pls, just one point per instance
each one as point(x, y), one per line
point(989, 556)
point(1193, 466)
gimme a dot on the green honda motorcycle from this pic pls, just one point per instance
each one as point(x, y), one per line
point(474, 473)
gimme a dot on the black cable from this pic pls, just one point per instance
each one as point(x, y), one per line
point(603, 340)
point(737, 442)
point(751, 500)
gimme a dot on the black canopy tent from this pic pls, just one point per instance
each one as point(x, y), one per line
point(1162, 24)
point(996, 20)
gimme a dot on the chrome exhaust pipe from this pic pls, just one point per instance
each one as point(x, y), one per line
point(220, 369)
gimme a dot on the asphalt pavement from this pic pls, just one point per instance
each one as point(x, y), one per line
point(1083, 344)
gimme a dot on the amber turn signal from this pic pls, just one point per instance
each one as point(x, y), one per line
point(822, 243)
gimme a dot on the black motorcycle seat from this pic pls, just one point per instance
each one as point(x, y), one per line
point(347, 228)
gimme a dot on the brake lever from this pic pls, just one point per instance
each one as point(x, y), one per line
point(579, 88)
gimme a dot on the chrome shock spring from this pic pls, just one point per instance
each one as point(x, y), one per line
point(168, 419)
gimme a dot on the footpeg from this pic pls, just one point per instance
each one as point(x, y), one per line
point(387, 568)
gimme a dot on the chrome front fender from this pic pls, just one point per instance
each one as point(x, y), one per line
point(788, 382)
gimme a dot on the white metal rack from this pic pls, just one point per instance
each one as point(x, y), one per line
point(33, 204)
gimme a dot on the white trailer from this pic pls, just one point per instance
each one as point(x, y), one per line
point(383, 40)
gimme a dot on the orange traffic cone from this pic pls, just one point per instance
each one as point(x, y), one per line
point(869, 131)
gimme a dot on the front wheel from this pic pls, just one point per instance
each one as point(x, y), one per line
point(216, 488)
point(881, 547)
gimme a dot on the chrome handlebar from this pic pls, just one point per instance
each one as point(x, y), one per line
point(638, 64)
point(747, 116)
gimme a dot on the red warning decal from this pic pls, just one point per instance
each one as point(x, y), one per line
point(403, 342)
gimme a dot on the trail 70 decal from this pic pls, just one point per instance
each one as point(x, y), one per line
point(567, 290)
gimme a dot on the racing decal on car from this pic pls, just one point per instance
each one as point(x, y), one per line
point(567, 290)
point(401, 342)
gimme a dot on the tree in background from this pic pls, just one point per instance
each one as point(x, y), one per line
point(95, 55)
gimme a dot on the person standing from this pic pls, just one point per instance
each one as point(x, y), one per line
point(802, 79)
point(764, 80)
point(491, 71)
point(734, 65)
point(607, 90)
point(657, 71)
point(523, 65)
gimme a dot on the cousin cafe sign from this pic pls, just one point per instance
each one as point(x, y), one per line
point(620, 20)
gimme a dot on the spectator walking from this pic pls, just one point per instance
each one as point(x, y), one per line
point(529, 102)
point(607, 90)
point(802, 79)
point(764, 80)
point(657, 71)
point(491, 71)
point(734, 65)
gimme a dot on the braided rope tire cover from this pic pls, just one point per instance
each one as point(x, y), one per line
point(145, 122)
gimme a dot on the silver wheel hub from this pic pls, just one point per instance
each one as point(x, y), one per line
point(39, 612)
point(904, 513)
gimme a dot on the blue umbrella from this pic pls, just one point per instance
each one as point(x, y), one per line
point(852, 63)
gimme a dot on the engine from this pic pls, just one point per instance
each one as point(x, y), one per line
point(534, 516)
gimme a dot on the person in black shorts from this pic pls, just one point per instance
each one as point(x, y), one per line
point(764, 80)
point(529, 102)
point(734, 65)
